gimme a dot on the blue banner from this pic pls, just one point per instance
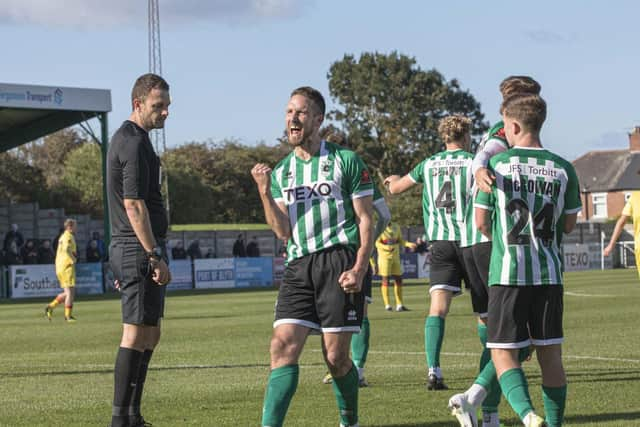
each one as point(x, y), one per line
point(89, 278)
point(181, 275)
point(254, 272)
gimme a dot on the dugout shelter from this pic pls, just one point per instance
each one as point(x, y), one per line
point(29, 112)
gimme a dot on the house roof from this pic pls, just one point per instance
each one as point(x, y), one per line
point(609, 170)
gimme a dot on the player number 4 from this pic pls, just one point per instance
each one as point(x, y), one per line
point(445, 198)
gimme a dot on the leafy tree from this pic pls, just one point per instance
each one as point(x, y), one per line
point(82, 179)
point(210, 182)
point(390, 109)
point(20, 182)
point(50, 153)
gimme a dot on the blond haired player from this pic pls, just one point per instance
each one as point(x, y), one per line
point(446, 179)
point(631, 210)
point(389, 245)
point(66, 258)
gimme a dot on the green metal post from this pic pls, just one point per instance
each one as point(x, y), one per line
point(104, 147)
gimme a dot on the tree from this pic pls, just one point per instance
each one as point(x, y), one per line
point(20, 182)
point(390, 108)
point(210, 182)
point(50, 153)
point(82, 179)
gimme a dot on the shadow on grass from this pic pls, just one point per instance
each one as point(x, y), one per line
point(577, 419)
point(427, 424)
point(614, 416)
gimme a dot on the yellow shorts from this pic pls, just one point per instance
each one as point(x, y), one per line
point(66, 276)
point(389, 267)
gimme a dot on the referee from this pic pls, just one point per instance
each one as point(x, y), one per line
point(137, 253)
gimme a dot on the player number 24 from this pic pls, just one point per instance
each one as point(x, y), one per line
point(542, 223)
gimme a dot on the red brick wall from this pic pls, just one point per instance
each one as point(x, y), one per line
point(615, 203)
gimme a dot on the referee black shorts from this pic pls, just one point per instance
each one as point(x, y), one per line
point(311, 296)
point(142, 299)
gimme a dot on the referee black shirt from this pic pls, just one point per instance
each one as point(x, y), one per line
point(133, 172)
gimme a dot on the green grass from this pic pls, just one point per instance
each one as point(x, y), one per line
point(219, 227)
point(212, 363)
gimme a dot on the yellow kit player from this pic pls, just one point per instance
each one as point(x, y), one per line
point(631, 210)
point(389, 244)
point(66, 258)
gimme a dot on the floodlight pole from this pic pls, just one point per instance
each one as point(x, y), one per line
point(104, 148)
point(158, 136)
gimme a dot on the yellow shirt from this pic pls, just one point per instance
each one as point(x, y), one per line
point(389, 242)
point(632, 209)
point(67, 251)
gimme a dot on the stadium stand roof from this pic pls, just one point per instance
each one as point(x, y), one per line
point(29, 112)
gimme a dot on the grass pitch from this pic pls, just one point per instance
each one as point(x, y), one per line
point(212, 363)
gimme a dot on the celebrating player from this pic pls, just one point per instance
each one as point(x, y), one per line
point(319, 197)
point(66, 258)
point(447, 179)
point(535, 199)
point(476, 251)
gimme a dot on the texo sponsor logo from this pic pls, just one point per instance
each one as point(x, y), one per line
point(308, 192)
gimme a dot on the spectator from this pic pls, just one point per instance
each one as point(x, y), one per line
point(12, 254)
point(93, 251)
point(100, 244)
point(238, 247)
point(210, 253)
point(29, 253)
point(45, 254)
point(283, 249)
point(253, 250)
point(56, 239)
point(13, 235)
point(421, 245)
point(194, 250)
point(178, 252)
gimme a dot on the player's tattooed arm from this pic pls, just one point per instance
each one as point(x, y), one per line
point(274, 212)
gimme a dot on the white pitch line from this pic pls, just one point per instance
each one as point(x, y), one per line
point(421, 353)
point(230, 366)
point(576, 294)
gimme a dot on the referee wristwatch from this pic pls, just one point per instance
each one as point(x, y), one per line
point(155, 254)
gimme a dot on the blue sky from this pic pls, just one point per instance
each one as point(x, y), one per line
point(232, 63)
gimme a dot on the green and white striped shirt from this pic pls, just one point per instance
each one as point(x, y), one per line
point(492, 143)
point(447, 179)
point(318, 194)
point(534, 191)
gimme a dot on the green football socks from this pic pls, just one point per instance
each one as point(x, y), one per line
point(433, 336)
point(515, 389)
point(346, 391)
point(360, 344)
point(554, 399)
point(282, 384)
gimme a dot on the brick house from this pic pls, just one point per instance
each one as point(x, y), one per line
point(607, 178)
